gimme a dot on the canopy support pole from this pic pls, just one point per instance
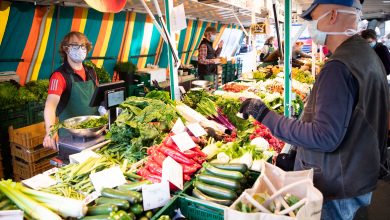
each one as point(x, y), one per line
point(287, 58)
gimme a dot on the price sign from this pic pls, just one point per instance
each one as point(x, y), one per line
point(183, 141)
point(155, 195)
point(108, 178)
point(82, 156)
point(178, 127)
point(91, 197)
point(196, 129)
point(39, 181)
point(51, 171)
point(172, 171)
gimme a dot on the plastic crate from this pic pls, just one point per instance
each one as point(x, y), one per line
point(143, 78)
point(35, 112)
point(31, 154)
point(26, 170)
point(17, 117)
point(29, 136)
point(192, 209)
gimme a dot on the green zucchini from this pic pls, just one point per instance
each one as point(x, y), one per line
point(223, 173)
point(137, 209)
point(104, 209)
point(219, 181)
point(198, 194)
point(149, 214)
point(136, 186)
point(144, 218)
point(215, 191)
point(96, 217)
point(242, 168)
point(131, 196)
point(121, 203)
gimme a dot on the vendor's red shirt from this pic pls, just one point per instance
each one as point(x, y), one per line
point(58, 84)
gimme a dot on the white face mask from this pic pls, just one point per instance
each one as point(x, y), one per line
point(77, 55)
point(319, 37)
point(212, 38)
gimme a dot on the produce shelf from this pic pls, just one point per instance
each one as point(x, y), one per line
point(24, 170)
point(29, 136)
point(31, 154)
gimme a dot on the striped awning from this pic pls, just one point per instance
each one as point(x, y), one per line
point(32, 35)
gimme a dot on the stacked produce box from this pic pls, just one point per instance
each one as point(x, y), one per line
point(29, 157)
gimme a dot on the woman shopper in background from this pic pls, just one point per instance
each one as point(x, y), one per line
point(381, 50)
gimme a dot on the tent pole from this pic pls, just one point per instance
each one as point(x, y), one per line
point(287, 58)
point(173, 77)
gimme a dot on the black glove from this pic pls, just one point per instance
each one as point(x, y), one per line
point(254, 107)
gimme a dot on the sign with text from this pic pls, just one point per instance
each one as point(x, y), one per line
point(183, 141)
point(155, 195)
point(108, 178)
point(172, 171)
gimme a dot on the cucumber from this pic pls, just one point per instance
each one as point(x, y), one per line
point(215, 191)
point(121, 203)
point(198, 194)
point(219, 181)
point(136, 186)
point(104, 209)
point(96, 217)
point(223, 173)
point(242, 168)
point(137, 209)
point(131, 196)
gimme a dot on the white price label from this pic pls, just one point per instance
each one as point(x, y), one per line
point(108, 178)
point(91, 197)
point(82, 156)
point(179, 127)
point(196, 129)
point(155, 195)
point(51, 171)
point(39, 181)
point(172, 171)
point(183, 141)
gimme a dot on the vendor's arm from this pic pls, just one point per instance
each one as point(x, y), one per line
point(337, 91)
point(203, 54)
point(57, 85)
point(219, 49)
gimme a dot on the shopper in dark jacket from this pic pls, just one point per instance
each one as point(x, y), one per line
point(342, 134)
point(381, 50)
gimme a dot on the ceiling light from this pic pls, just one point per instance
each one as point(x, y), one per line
point(386, 2)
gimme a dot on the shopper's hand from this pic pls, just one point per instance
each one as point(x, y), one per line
point(51, 142)
point(220, 45)
point(253, 107)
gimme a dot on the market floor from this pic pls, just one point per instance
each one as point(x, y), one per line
point(380, 205)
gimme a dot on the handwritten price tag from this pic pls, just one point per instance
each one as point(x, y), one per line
point(172, 171)
point(108, 178)
point(183, 141)
point(82, 156)
point(179, 127)
point(155, 195)
point(39, 181)
point(51, 171)
point(196, 129)
point(91, 197)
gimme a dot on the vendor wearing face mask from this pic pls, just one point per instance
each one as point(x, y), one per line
point(381, 50)
point(71, 85)
point(207, 59)
point(343, 132)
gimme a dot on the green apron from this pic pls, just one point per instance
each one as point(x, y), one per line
point(78, 104)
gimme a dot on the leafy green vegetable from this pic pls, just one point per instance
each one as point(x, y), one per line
point(91, 123)
point(160, 95)
point(142, 123)
point(126, 67)
point(102, 74)
point(193, 97)
point(230, 107)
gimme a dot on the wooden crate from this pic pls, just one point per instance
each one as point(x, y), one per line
point(26, 170)
point(31, 154)
point(29, 136)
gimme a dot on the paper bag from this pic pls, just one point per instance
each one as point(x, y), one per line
point(277, 183)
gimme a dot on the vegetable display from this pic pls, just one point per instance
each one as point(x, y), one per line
point(234, 87)
point(91, 123)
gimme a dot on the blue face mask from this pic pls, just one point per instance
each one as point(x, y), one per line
point(372, 44)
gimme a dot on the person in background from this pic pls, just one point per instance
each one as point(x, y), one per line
point(343, 131)
point(297, 51)
point(207, 59)
point(71, 86)
point(381, 50)
point(267, 49)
